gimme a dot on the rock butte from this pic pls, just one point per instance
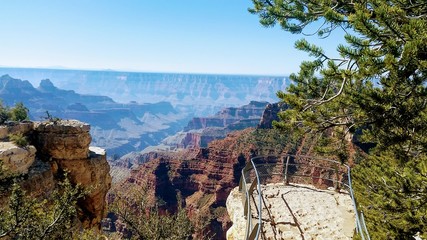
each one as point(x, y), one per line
point(296, 212)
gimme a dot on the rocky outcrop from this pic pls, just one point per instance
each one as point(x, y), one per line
point(15, 128)
point(66, 144)
point(62, 146)
point(270, 114)
point(228, 116)
point(65, 140)
point(91, 173)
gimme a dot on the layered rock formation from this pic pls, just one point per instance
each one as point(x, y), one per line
point(208, 93)
point(117, 127)
point(203, 176)
point(270, 114)
point(200, 131)
point(65, 140)
point(62, 146)
point(229, 116)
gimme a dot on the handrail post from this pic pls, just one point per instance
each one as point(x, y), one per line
point(337, 181)
point(286, 170)
point(259, 199)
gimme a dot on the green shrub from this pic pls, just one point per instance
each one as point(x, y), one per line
point(24, 217)
point(3, 171)
point(4, 113)
point(51, 118)
point(144, 219)
point(19, 139)
point(19, 112)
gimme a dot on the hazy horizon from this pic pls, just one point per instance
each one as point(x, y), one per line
point(137, 71)
point(214, 37)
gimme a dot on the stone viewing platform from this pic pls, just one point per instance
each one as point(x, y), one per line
point(294, 197)
point(296, 211)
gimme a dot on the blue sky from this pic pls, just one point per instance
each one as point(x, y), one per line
point(191, 36)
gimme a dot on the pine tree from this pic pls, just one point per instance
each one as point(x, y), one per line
point(29, 218)
point(19, 112)
point(376, 90)
point(144, 220)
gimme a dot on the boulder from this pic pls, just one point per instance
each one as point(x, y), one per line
point(16, 160)
point(64, 139)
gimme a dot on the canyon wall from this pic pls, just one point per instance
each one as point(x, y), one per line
point(207, 93)
point(203, 176)
point(117, 127)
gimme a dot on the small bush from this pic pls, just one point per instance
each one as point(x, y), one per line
point(25, 217)
point(3, 171)
point(19, 112)
point(51, 118)
point(4, 113)
point(19, 139)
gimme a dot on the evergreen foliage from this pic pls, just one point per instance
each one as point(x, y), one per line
point(145, 220)
point(51, 118)
point(19, 112)
point(4, 113)
point(19, 139)
point(29, 218)
point(267, 142)
point(378, 87)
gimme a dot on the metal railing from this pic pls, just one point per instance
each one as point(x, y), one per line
point(320, 172)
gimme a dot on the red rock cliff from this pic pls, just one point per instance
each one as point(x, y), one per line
point(203, 176)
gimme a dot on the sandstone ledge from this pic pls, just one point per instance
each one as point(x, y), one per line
point(62, 126)
point(65, 139)
point(15, 128)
